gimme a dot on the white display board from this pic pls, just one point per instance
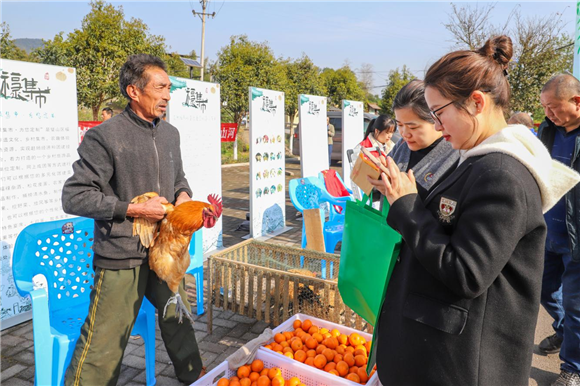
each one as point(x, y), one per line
point(267, 163)
point(39, 138)
point(194, 109)
point(352, 132)
point(313, 135)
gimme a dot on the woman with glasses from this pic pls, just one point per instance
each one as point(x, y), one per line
point(422, 149)
point(462, 303)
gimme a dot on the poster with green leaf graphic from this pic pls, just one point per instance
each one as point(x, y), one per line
point(313, 135)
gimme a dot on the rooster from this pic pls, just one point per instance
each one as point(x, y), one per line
point(168, 240)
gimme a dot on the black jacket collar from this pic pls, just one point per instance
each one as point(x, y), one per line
point(140, 121)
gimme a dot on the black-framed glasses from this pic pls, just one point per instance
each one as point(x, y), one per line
point(434, 113)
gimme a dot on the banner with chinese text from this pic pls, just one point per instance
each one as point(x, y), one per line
point(229, 132)
point(313, 135)
point(267, 162)
point(352, 133)
point(84, 126)
point(39, 142)
point(194, 109)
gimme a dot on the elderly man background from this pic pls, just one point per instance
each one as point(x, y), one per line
point(560, 132)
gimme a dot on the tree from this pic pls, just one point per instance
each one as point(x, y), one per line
point(242, 64)
point(341, 84)
point(397, 79)
point(302, 77)
point(8, 50)
point(541, 49)
point(99, 49)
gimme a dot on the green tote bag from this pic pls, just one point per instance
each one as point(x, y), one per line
point(368, 254)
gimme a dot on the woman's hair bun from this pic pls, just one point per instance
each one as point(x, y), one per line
point(498, 48)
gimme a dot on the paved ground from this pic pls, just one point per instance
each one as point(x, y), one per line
point(230, 331)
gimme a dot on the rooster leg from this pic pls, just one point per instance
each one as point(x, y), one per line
point(180, 308)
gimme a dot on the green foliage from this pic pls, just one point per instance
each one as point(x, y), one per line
point(99, 49)
point(302, 77)
point(242, 64)
point(8, 49)
point(397, 79)
point(341, 84)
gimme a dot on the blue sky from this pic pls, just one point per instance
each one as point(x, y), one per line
point(387, 35)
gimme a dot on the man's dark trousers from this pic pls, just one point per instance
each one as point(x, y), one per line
point(115, 302)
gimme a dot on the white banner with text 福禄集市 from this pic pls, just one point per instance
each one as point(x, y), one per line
point(313, 135)
point(352, 133)
point(267, 162)
point(39, 126)
point(194, 109)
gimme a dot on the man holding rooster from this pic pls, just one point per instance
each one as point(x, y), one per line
point(133, 153)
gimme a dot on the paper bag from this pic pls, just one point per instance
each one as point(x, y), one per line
point(363, 168)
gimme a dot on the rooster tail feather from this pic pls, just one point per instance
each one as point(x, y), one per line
point(180, 308)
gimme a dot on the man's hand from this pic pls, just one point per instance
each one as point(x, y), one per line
point(395, 185)
point(183, 197)
point(151, 210)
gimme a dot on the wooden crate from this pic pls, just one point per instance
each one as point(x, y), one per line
point(267, 282)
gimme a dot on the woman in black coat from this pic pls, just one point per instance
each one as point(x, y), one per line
point(462, 303)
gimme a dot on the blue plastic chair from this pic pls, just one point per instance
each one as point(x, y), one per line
point(196, 267)
point(310, 193)
point(61, 251)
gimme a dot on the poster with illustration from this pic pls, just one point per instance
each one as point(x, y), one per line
point(267, 162)
point(194, 109)
point(352, 132)
point(39, 123)
point(313, 135)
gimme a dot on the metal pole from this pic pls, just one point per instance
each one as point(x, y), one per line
point(203, 5)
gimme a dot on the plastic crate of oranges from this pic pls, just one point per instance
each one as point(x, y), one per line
point(268, 369)
point(325, 347)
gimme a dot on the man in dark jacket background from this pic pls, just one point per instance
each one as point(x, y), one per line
point(560, 132)
point(130, 154)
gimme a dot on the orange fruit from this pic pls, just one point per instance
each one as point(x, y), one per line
point(329, 354)
point(311, 343)
point(349, 358)
point(254, 376)
point(285, 344)
point(349, 349)
point(300, 356)
point(353, 377)
point(264, 372)
point(309, 361)
point(288, 335)
point(294, 381)
point(289, 355)
point(330, 366)
point(331, 342)
point(311, 353)
point(320, 361)
point(287, 349)
point(362, 374)
point(318, 337)
point(360, 360)
point(279, 338)
point(264, 380)
point(223, 382)
point(334, 372)
point(335, 333)
point(337, 358)
point(297, 324)
point(255, 383)
point(235, 383)
point(257, 365)
point(323, 330)
point(342, 339)
point(234, 378)
point(320, 348)
point(245, 382)
point(368, 346)
point(305, 337)
point(278, 381)
point(342, 368)
point(244, 372)
point(296, 345)
point(313, 330)
point(306, 325)
point(298, 330)
point(360, 351)
point(353, 369)
point(354, 339)
point(273, 372)
point(340, 350)
point(268, 346)
point(277, 347)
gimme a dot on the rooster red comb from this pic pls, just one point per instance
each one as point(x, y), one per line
point(216, 202)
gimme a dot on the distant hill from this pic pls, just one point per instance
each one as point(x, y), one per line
point(28, 44)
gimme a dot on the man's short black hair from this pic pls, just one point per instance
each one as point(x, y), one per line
point(133, 71)
point(108, 110)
